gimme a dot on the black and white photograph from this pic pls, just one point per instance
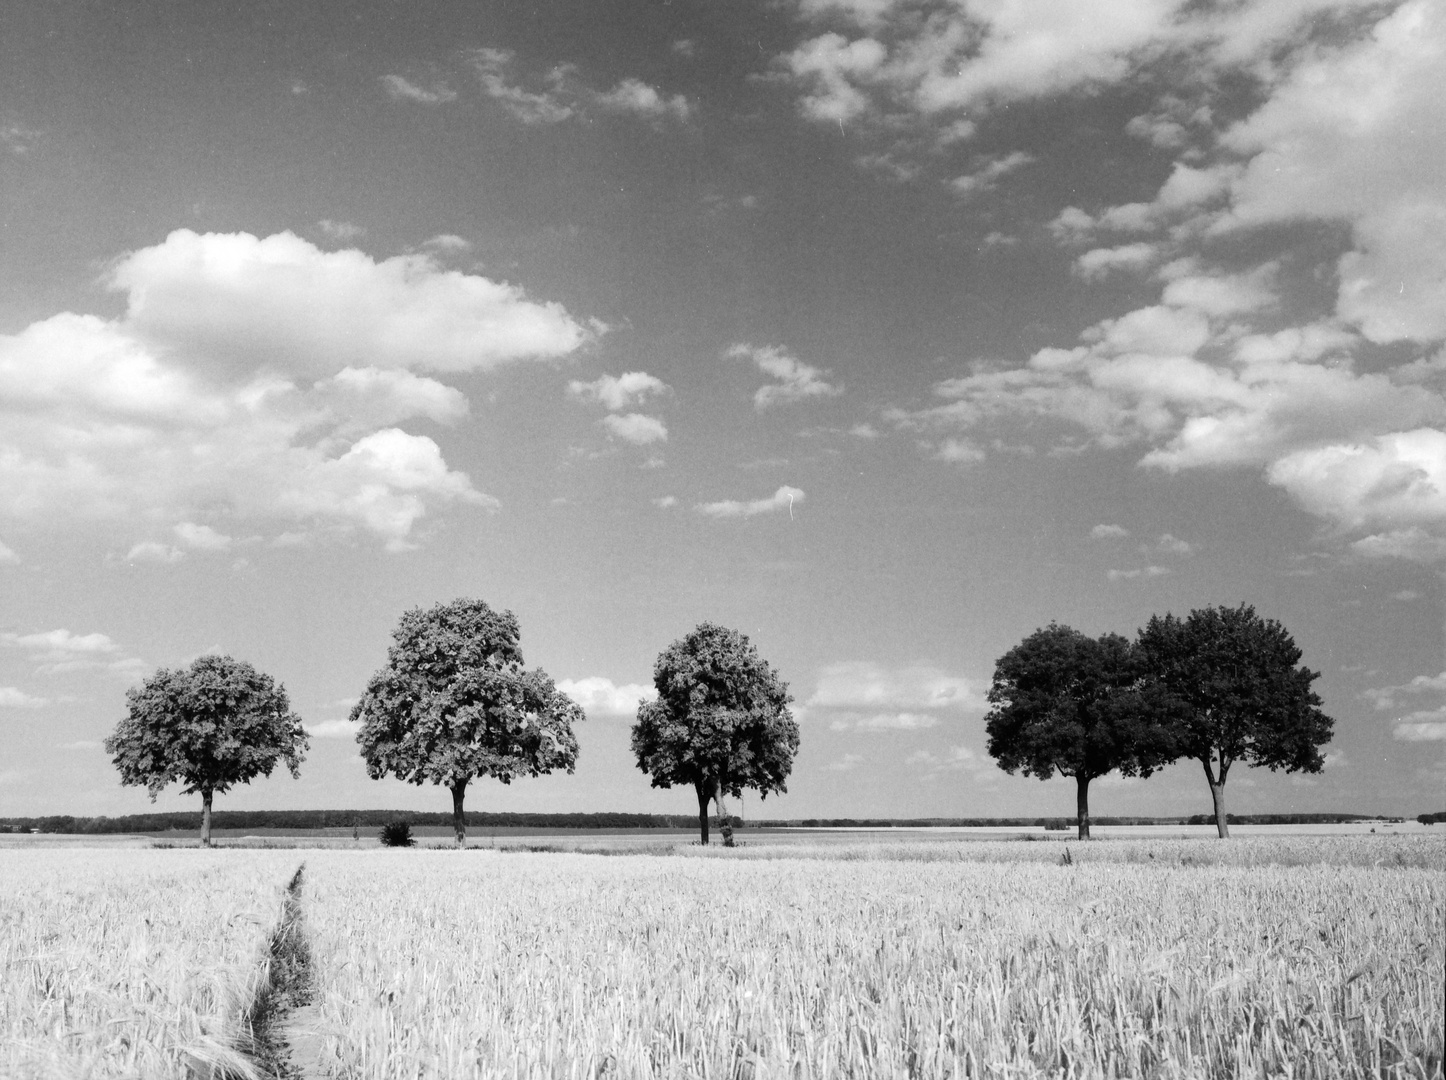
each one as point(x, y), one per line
point(734, 539)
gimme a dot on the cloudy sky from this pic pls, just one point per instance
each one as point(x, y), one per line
point(883, 331)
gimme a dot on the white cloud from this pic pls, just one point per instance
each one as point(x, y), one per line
point(796, 380)
point(549, 106)
point(847, 763)
point(51, 645)
point(863, 685)
point(1426, 726)
point(1109, 532)
point(153, 551)
point(893, 721)
point(987, 176)
point(1391, 480)
point(1140, 572)
point(239, 301)
point(618, 392)
point(401, 89)
point(341, 230)
point(638, 98)
point(333, 729)
point(958, 452)
point(665, 502)
point(13, 698)
point(1387, 697)
point(202, 537)
point(602, 697)
point(447, 242)
point(635, 428)
point(1100, 262)
point(259, 377)
point(782, 499)
point(8, 556)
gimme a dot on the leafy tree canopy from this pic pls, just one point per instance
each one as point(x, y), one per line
point(454, 702)
point(721, 721)
point(217, 723)
point(1239, 690)
point(1070, 703)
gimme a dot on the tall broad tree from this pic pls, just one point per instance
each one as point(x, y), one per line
point(210, 726)
point(1075, 705)
point(720, 723)
point(454, 703)
point(1239, 694)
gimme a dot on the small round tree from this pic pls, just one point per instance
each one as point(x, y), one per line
point(454, 702)
point(214, 724)
point(720, 722)
point(1068, 703)
point(1239, 694)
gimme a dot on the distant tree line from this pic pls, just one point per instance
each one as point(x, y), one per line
point(1431, 819)
point(337, 819)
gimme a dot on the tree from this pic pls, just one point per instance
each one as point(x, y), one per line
point(217, 723)
point(1077, 705)
point(454, 702)
point(720, 722)
point(1237, 694)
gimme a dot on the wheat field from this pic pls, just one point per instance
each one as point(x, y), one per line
point(476, 963)
point(131, 963)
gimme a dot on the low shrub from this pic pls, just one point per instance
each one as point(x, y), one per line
point(397, 834)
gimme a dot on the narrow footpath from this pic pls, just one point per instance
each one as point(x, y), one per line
point(282, 1043)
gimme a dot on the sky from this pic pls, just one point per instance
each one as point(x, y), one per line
point(884, 332)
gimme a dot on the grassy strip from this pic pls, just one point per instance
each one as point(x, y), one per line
point(286, 985)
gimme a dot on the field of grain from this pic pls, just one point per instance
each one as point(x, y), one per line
point(478, 963)
point(131, 963)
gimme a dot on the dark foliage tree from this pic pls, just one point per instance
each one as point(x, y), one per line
point(214, 724)
point(1068, 703)
point(454, 702)
point(720, 723)
point(1238, 694)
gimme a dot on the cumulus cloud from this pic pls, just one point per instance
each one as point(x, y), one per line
point(867, 696)
point(543, 106)
point(1109, 532)
point(1101, 262)
point(13, 698)
point(333, 729)
point(987, 176)
point(797, 381)
point(153, 551)
point(402, 89)
point(782, 499)
point(341, 230)
point(635, 428)
point(8, 556)
point(602, 697)
point(639, 99)
point(618, 392)
point(55, 652)
point(260, 377)
point(1145, 572)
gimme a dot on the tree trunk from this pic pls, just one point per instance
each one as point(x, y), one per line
point(459, 821)
point(205, 817)
point(1217, 796)
point(1082, 805)
point(1222, 824)
point(705, 796)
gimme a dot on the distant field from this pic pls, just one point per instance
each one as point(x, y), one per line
point(860, 955)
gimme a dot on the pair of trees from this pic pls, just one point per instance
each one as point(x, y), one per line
point(1221, 686)
point(453, 703)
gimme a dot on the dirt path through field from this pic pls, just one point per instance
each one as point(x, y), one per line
point(284, 1043)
